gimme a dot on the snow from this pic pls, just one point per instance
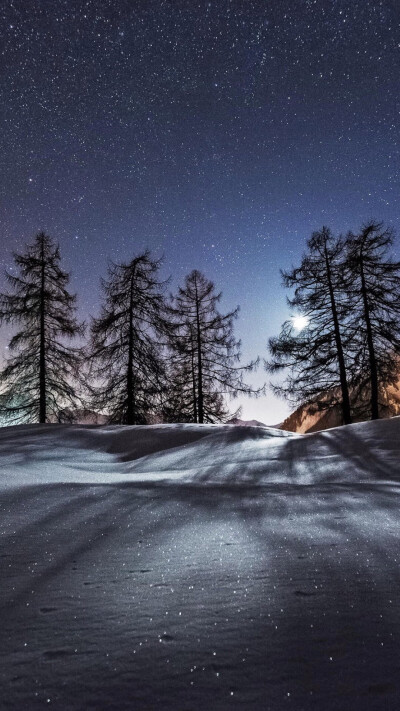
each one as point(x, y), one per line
point(246, 423)
point(186, 566)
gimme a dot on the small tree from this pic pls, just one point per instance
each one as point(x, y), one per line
point(38, 380)
point(373, 285)
point(316, 354)
point(125, 350)
point(206, 353)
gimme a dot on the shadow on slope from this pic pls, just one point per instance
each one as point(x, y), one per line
point(284, 589)
point(125, 442)
point(200, 454)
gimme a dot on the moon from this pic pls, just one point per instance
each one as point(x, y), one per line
point(300, 322)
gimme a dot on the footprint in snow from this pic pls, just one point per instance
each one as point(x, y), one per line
point(46, 610)
point(56, 653)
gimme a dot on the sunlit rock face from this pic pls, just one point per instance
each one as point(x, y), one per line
point(306, 419)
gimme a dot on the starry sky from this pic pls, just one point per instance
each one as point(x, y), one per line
point(220, 134)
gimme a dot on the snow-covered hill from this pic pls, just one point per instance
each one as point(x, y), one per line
point(197, 454)
point(245, 423)
point(187, 566)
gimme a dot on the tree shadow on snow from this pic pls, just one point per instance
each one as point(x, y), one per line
point(307, 574)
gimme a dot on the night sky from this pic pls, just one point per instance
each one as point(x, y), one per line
point(220, 134)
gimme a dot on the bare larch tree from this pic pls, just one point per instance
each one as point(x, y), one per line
point(126, 342)
point(373, 286)
point(317, 355)
point(40, 376)
point(206, 353)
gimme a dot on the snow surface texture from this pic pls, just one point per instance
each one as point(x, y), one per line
point(187, 567)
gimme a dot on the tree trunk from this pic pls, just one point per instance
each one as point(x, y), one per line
point(339, 347)
point(199, 364)
point(193, 378)
point(130, 400)
point(371, 350)
point(42, 344)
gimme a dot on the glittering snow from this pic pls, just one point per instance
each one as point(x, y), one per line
point(186, 566)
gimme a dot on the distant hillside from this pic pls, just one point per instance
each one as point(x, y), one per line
point(304, 420)
point(245, 423)
point(81, 417)
point(89, 417)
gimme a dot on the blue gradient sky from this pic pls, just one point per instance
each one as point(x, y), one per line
point(220, 134)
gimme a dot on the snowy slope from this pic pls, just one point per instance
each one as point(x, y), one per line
point(246, 423)
point(185, 566)
point(207, 454)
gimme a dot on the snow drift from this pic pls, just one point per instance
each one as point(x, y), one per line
point(198, 454)
point(186, 567)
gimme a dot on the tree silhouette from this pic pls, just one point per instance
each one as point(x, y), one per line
point(125, 348)
point(39, 378)
point(206, 353)
point(316, 356)
point(373, 286)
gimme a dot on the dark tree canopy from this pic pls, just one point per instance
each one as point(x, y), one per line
point(39, 378)
point(126, 342)
point(316, 356)
point(206, 354)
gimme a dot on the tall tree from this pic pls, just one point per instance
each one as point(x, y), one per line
point(206, 352)
point(39, 379)
point(316, 354)
point(125, 350)
point(373, 285)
